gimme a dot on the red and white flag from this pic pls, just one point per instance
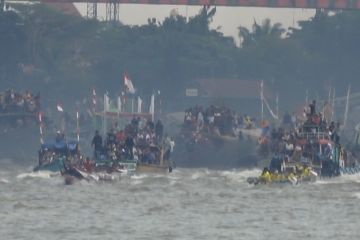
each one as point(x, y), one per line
point(128, 84)
point(59, 107)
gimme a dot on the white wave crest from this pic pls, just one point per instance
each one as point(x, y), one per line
point(3, 180)
point(357, 195)
point(39, 174)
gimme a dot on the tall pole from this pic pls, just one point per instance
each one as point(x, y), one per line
point(104, 114)
point(41, 127)
point(262, 100)
point(347, 106)
point(78, 126)
point(333, 107)
point(277, 105)
point(132, 104)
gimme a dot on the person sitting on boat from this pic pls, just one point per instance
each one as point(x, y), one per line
point(265, 175)
point(60, 137)
point(306, 172)
point(289, 148)
point(292, 176)
point(96, 143)
point(88, 165)
point(120, 137)
point(111, 138)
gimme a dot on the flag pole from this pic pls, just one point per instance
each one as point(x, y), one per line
point(347, 106)
point(78, 125)
point(94, 102)
point(262, 99)
point(132, 105)
point(41, 127)
point(277, 105)
point(333, 106)
point(104, 115)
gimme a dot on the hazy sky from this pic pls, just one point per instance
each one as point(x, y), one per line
point(228, 18)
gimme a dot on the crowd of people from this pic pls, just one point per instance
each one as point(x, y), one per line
point(215, 120)
point(312, 140)
point(141, 140)
point(18, 107)
point(19, 102)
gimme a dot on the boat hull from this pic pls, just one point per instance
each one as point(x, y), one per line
point(152, 168)
point(217, 154)
point(57, 165)
point(292, 180)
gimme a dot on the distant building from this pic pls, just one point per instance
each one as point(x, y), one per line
point(240, 95)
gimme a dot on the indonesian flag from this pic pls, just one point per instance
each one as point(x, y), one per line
point(129, 85)
point(59, 107)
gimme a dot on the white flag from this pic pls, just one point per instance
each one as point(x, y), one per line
point(139, 104)
point(129, 85)
point(152, 106)
point(119, 104)
point(59, 107)
point(106, 102)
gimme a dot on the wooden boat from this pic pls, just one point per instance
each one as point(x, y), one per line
point(316, 150)
point(287, 177)
point(161, 165)
point(52, 157)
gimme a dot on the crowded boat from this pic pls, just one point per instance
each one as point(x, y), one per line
point(305, 150)
point(201, 124)
point(217, 137)
point(18, 109)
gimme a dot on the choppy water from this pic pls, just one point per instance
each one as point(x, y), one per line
point(187, 204)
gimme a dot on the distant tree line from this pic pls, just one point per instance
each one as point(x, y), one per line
point(44, 50)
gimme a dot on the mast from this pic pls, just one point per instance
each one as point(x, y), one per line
point(333, 106)
point(347, 106)
point(41, 127)
point(77, 126)
point(262, 99)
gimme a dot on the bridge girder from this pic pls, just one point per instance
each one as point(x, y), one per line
point(315, 4)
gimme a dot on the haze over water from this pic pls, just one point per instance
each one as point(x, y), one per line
point(186, 204)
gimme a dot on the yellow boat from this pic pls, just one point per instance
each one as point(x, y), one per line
point(163, 166)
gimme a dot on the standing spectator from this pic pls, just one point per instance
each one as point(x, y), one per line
point(96, 143)
point(159, 130)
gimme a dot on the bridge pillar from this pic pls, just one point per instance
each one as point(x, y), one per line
point(112, 11)
point(91, 9)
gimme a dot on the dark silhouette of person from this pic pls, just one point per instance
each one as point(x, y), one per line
point(129, 145)
point(96, 143)
point(159, 131)
point(312, 108)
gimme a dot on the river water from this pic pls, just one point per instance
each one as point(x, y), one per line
point(186, 204)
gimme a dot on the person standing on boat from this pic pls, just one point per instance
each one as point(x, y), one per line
point(312, 108)
point(96, 143)
point(129, 145)
point(159, 131)
point(169, 147)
